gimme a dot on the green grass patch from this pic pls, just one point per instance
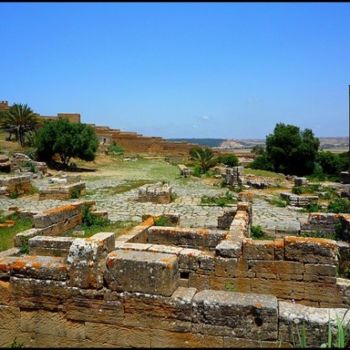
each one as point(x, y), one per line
point(7, 234)
point(221, 201)
point(278, 202)
point(263, 173)
point(162, 221)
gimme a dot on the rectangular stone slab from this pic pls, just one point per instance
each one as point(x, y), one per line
point(142, 271)
point(251, 316)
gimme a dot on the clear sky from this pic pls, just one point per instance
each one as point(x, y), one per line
point(229, 70)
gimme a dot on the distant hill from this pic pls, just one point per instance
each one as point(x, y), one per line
point(326, 143)
point(202, 142)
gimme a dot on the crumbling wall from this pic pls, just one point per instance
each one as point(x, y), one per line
point(18, 185)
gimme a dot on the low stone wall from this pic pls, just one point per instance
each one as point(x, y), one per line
point(55, 222)
point(297, 200)
point(234, 176)
point(157, 193)
point(16, 184)
point(63, 192)
point(102, 296)
point(100, 291)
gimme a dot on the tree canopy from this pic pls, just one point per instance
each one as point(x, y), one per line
point(18, 120)
point(289, 150)
point(67, 140)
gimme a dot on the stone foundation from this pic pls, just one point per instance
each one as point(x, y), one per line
point(157, 193)
point(171, 287)
point(18, 185)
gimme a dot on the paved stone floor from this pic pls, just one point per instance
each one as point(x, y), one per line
point(123, 206)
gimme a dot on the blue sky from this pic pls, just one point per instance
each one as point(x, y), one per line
point(230, 70)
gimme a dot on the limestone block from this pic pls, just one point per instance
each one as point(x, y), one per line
point(258, 250)
point(62, 227)
point(116, 336)
point(51, 323)
point(32, 293)
point(47, 245)
point(185, 237)
point(86, 259)
point(311, 250)
point(160, 248)
point(225, 267)
point(189, 259)
point(10, 252)
point(140, 271)
point(39, 267)
point(315, 320)
point(251, 316)
point(284, 270)
point(55, 215)
point(229, 248)
point(80, 308)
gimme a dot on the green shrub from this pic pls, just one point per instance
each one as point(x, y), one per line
point(115, 149)
point(221, 201)
point(162, 221)
point(14, 194)
point(256, 231)
point(297, 190)
point(92, 220)
point(278, 202)
point(312, 208)
point(228, 159)
point(197, 171)
point(75, 193)
point(339, 205)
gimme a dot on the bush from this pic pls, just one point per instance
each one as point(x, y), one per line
point(67, 140)
point(278, 202)
point(115, 149)
point(297, 190)
point(92, 220)
point(339, 205)
point(162, 221)
point(197, 171)
point(261, 162)
point(228, 159)
point(256, 231)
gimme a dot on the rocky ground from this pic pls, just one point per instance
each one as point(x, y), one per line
point(103, 187)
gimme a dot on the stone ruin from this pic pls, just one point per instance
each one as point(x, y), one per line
point(63, 187)
point(15, 185)
point(184, 170)
point(170, 287)
point(20, 162)
point(234, 176)
point(296, 200)
point(158, 193)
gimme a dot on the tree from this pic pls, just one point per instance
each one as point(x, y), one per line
point(67, 140)
point(292, 151)
point(228, 159)
point(18, 120)
point(204, 157)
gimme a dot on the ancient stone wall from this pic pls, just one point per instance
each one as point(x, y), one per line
point(170, 287)
point(15, 185)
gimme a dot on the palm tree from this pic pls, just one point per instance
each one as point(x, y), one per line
point(204, 157)
point(18, 120)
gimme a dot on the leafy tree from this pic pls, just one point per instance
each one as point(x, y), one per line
point(203, 157)
point(67, 140)
point(228, 159)
point(18, 120)
point(292, 151)
point(332, 163)
point(258, 150)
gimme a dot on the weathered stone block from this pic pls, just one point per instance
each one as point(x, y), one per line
point(292, 317)
point(311, 250)
point(229, 249)
point(86, 259)
point(39, 267)
point(46, 245)
point(248, 315)
point(139, 271)
point(258, 250)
